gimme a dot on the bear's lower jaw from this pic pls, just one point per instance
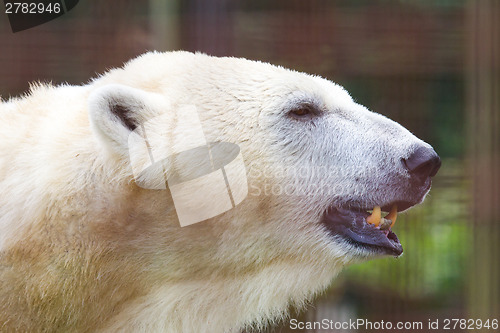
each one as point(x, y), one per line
point(352, 227)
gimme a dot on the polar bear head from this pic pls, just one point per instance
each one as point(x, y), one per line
point(315, 163)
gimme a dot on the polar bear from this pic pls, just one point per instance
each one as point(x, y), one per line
point(84, 248)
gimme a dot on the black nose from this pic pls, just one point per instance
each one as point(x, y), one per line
point(423, 162)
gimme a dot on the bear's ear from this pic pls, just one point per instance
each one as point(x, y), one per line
point(116, 110)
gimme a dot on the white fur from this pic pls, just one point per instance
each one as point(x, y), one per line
point(85, 249)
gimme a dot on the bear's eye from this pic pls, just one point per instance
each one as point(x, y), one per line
point(303, 112)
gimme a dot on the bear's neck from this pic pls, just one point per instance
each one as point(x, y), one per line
point(223, 304)
point(116, 295)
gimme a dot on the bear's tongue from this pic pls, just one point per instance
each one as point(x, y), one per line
point(370, 231)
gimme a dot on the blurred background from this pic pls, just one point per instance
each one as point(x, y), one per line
point(432, 65)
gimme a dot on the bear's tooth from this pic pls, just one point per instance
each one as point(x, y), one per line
point(375, 217)
point(393, 215)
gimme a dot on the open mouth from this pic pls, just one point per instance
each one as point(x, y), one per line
point(370, 231)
